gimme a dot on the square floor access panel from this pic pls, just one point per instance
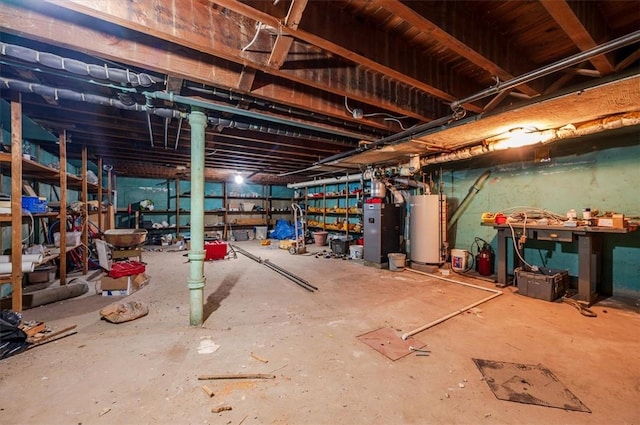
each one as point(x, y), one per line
point(389, 343)
point(529, 384)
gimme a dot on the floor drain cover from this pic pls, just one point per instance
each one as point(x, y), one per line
point(388, 342)
point(529, 384)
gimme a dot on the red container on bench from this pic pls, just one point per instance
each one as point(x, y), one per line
point(215, 250)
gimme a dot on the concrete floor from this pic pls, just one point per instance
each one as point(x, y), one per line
point(145, 371)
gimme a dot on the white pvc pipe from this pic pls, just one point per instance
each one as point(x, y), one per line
point(495, 293)
point(27, 267)
point(34, 258)
point(330, 180)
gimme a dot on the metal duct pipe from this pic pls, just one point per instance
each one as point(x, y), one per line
point(397, 196)
point(237, 111)
point(408, 182)
point(393, 138)
point(473, 190)
point(230, 96)
point(101, 72)
point(66, 94)
point(150, 129)
point(42, 90)
point(246, 125)
point(556, 66)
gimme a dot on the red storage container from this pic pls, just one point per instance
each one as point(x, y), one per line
point(215, 250)
point(126, 268)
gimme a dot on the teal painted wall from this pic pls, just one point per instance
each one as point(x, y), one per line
point(601, 173)
point(163, 195)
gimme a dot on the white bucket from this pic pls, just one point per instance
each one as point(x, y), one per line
point(459, 259)
point(355, 252)
point(396, 261)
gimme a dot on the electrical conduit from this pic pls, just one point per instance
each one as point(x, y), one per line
point(243, 123)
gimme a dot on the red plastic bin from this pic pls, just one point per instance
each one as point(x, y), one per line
point(215, 250)
point(126, 268)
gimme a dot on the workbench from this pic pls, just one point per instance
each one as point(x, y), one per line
point(589, 240)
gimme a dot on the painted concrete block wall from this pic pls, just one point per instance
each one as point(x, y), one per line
point(131, 191)
point(162, 193)
point(606, 179)
point(51, 192)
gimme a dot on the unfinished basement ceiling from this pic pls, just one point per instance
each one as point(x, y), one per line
point(290, 84)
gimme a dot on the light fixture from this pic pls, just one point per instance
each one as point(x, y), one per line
point(516, 138)
point(238, 179)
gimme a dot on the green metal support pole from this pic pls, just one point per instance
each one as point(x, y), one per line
point(197, 121)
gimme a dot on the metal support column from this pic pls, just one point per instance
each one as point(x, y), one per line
point(589, 255)
point(196, 282)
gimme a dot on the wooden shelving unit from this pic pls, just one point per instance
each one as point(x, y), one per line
point(335, 207)
point(230, 216)
point(21, 169)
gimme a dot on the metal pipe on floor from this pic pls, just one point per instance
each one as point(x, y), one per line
point(284, 272)
point(196, 282)
point(495, 293)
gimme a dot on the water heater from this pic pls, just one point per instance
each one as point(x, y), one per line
point(427, 228)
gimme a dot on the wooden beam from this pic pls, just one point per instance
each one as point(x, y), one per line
point(628, 61)
point(16, 202)
point(191, 65)
point(284, 41)
point(477, 44)
point(221, 33)
point(100, 184)
point(247, 77)
point(562, 80)
point(62, 138)
point(174, 84)
point(85, 212)
point(496, 100)
point(579, 20)
point(317, 32)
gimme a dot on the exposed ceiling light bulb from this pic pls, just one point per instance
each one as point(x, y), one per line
point(238, 179)
point(358, 113)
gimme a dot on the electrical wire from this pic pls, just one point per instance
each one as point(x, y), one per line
point(259, 26)
point(582, 306)
point(31, 227)
point(374, 114)
point(515, 244)
point(399, 123)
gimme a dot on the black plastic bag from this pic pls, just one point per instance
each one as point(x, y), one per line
point(13, 340)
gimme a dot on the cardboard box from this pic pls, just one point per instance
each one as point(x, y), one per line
point(616, 221)
point(125, 285)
